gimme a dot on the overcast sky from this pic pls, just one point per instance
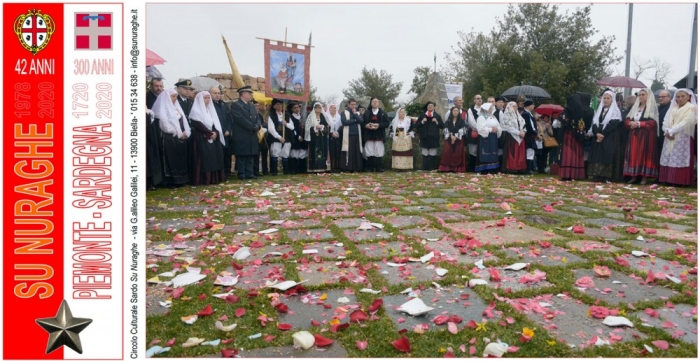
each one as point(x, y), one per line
point(393, 37)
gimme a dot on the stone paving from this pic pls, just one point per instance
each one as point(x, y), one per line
point(443, 235)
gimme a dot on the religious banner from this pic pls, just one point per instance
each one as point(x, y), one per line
point(287, 71)
point(453, 90)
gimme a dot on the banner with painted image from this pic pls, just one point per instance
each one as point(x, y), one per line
point(453, 90)
point(287, 71)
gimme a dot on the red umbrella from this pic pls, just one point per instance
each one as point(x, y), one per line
point(550, 110)
point(621, 82)
point(153, 58)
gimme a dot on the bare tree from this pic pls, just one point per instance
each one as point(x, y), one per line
point(660, 69)
point(641, 66)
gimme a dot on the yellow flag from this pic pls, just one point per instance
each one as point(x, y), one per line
point(237, 79)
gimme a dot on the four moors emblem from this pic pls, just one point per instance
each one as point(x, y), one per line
point(34, 30)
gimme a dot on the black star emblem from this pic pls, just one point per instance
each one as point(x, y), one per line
point(41, 22)
point(28, 37)
point(64, 329)
point(28, 22)
point(41, 37)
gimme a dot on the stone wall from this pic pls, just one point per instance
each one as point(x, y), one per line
point(230, 93)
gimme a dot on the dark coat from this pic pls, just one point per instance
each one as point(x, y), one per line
point(186, 106)
point(530, 130)
point(355, 118)
point(222, 110)
point(375, 134)
point(430, 133)
point(150, 99)
point(245, 128)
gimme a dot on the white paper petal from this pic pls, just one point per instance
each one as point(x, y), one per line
point(369, 290)
point(187, 279)
point(639, 254)
point(242, 253)
point(226, 280)
point(266, 194)
point(211, 343)
point(257, 335)
point(614, 321)
point(415, 307)
point(516, 266)
point(480, 264)
point(269, 230)
point(392, 264)
point(441, 271)
point(283, 286)
point(494, 349)
point(167, 304)
point(189, 319)
point(309, 251)
point(673, 279)
point(476, 282)
point(408, 290)
point(228, 328)
point(192, 341)
point(278, 221)
point(343, 300)
point(427, 257)
point(649, 349)
point(303, 339)
point(640, 238)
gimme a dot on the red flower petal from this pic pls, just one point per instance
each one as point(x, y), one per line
point(579, 229)
point(510, 320)
point(170, 342)
point(358, 316)
point(661, 344)
point(282, 307)
point(322, 341)
point(402, 344)
point(513, 348)
point(228, 340)
point(240, 312)
point(206, 311)
point(472, 350)
point(361, 345)
point(229, 352)
point(471, 324)
point(232, 299)
point(284, 327)
point(488, 312)
point(177, 292)
point(315, 323)
point(455, 319)
point(269, 338)
point(441, 319)
point(632, 230)
point(376, 304)
point(339, 327)
point(495, 274)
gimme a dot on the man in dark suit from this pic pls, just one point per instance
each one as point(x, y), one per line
point(184, 88)
point(222, 110)
point(245, 132)
point(530, 135)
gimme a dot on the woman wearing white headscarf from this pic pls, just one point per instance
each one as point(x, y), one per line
point(209, 142)
point(678, 153)
point(401, 141)
point(316, 136)
point(641, 152)
point(335, 144)
point(606, 150)
point(453, 157)
point(514, 148)
point(173, 123)
point(489, 131)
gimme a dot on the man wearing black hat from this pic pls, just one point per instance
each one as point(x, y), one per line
point(245, 132)
point(279, 136)
point(184, 88)
point(530, 135)
point(154, 170)
point(429, 125)
point(222, 110)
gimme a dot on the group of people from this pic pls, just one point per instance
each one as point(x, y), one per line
point(643, 142)
point(192, 138)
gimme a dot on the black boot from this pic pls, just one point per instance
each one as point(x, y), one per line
point(265, 168)
point(293, 165)
point(273, 165)
point(529, 167)
point(366, 164)
point(426, 160)
point(301, 166)
point(378, 167)
point(285, 165)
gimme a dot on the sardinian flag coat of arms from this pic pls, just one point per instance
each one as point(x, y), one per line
point(93, 31)
point(34, 30)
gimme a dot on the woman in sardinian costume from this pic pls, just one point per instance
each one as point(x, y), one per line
point(176, 130)
point(299, 151)
point(514, 148)
point(453, 156)
point(489, 131)
point(606, 148)
point(316, 132)
point(402, 141)
point(678, 152)
point(209, 142)
point(641, 155)
point(334, 140)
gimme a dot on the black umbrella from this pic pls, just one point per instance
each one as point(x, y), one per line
point(529, 91)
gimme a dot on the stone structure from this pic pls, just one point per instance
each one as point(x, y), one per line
point(230, 93)
point(435, 92)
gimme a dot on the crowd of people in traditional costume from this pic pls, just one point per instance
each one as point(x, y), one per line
point(195, 138)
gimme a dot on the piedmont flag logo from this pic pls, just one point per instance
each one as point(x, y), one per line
point(93, 31)
point(34, 30)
